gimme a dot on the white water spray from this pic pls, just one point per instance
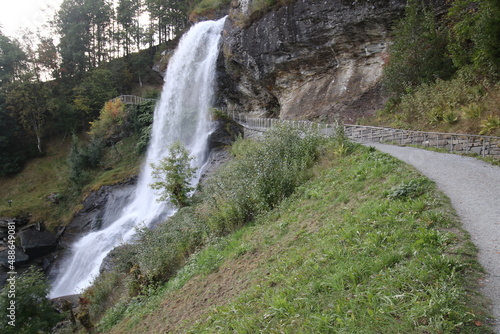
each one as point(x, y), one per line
point(182, 114)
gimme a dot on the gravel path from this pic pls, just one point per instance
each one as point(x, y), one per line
point(474, 189)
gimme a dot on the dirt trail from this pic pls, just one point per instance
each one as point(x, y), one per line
point(474, 189)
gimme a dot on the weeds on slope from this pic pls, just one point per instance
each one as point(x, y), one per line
point(366, 245)
point(262, 174)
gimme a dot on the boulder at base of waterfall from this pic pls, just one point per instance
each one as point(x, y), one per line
point(37, 243)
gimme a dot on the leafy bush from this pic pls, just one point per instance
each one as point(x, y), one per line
point(96, 88)
point(475, 35)
point(263, 173)
point(141, 119)
point(103, 292)
point(113, 115)
point(81, 158)
point(174, 175)
point(33, 311)
point(205, 7)
point(78, 175)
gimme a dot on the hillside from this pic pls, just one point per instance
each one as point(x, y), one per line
point(365, 245)
point(295, 233)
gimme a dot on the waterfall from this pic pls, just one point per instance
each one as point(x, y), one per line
point(182, 114)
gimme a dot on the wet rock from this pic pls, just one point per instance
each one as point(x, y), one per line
point(36, 242)
point(225, 133)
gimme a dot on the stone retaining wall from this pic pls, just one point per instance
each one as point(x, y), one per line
point(460, 143)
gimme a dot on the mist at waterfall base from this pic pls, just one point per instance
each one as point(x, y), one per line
point(182, 114)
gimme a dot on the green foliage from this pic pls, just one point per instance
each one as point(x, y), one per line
point(113, 116)
point(33, 311)
point(103, 292)
point(431, 102)
point(218, 114)
point(418, 54)
point(12, 59)
point(183, 233)
point(174, 175)
point(491, 124)
point(97, 87)
point(205, 7)
point(263, 173)
point(78, 175)
point(31, 103)
point(411, 189)
point(12, 150)
point(475, 35)
point(81, 158)
point(141, 119)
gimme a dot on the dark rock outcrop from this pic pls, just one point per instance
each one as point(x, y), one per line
point(310, 59)
point(95, 210)
point(36, 242)
point(224, 134)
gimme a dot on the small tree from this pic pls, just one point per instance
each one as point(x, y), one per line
point(174, 174)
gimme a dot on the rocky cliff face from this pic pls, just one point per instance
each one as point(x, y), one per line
point(311, 59)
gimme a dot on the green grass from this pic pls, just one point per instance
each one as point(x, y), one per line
point(42, 176)
point(29, 189)
point(119, 162)
point(367, 245)
point(208, 7)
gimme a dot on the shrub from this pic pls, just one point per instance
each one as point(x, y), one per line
point(263, 173)
point(205, 7)
point(491, 124)
point(34, 313)
point(430, 102)
point(160, 252)
point(473, 110)
point(475, 35)
point(174, 175)
point(141, 119)
point(113, 115)
point(78, 175)
point(103, 293)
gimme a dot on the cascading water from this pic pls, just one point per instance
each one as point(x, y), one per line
point(182, 114)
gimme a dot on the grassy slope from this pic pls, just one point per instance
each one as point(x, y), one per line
point(339, 256)
point(29, 189)
point(453, 106)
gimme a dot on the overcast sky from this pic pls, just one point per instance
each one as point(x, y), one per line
point(16, 15)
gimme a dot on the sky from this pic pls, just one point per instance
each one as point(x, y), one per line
point(16, 15)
